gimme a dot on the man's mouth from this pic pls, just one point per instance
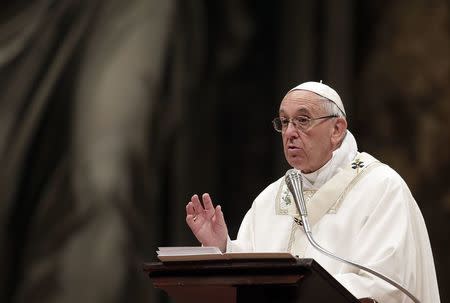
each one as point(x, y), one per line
point(293, 147)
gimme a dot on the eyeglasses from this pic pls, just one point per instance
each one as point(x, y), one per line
point(302, 123)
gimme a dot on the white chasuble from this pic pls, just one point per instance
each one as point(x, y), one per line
point(364, 212)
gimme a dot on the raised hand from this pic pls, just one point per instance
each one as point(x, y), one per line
point(206, 222)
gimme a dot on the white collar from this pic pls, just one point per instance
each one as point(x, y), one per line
point(341, 157)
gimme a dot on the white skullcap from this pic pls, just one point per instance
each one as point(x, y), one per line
point(322, 90)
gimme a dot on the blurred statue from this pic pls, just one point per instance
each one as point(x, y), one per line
point(97, 99)
point(79, 81)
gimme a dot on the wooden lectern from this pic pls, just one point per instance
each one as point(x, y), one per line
point(229, 281)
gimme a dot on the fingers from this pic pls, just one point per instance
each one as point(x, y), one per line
point(190, 208)
point(197, 206)
point(195, 209)
point(207, 202)
point(219, 219)
point(191, 216)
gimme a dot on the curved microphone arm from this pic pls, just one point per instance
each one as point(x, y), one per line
point(294, 182)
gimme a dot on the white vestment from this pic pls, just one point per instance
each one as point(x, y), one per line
point(359, 209)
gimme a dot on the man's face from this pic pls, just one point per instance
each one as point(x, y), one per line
point(307, 150)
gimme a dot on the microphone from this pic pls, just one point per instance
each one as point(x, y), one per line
point(294, 182)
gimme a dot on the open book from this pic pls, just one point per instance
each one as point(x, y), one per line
point(203, 253)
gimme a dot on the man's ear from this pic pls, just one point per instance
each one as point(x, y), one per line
point(339, 131)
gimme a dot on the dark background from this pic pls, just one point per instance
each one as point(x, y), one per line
point(113, 113)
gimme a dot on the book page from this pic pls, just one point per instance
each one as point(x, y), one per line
point(205, 253)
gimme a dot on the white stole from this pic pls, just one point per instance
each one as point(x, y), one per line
point(324, 201)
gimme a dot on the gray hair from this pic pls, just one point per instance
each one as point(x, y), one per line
point(331, 108)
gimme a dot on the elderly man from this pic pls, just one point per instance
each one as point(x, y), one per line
point(358, 208)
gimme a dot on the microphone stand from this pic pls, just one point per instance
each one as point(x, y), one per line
point(294, 182)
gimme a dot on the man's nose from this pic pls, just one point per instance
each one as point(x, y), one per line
point(291, 130)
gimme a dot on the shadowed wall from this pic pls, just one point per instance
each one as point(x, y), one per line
point(113, 113)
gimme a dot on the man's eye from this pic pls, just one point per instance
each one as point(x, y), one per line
point(284, 121)
point(303, 120)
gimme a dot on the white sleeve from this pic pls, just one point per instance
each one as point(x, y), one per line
point(244, 240)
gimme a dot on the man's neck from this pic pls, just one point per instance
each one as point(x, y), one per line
point(338, 159)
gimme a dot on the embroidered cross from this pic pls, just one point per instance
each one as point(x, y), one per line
point(286, 197)
point(357, 164)
point(298, 221)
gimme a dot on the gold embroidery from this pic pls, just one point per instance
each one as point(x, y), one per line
point(285, 203)
point(292, 237)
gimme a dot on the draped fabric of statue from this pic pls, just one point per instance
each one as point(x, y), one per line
point(78, 95)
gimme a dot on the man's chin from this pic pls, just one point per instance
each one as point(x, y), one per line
point(298, 163)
